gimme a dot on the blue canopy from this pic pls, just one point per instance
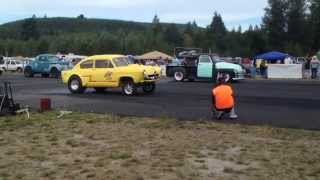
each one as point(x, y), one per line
point(272, 56)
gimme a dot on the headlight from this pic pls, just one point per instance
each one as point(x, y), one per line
point(145, 75)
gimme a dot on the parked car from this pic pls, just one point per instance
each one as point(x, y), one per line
point(110, 71)
point(11, 65)
point(46, 65)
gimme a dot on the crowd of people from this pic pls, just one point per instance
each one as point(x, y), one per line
point(311, 66)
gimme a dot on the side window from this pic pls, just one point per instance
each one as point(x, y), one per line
point(87, 64)
point(42, 58)
point(205, 59)
point(103, 64)
point(12, 63)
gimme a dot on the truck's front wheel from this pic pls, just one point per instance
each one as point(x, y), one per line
point(179, 74)
point(19, 69)
point(28, 72)
point(55, 73)
point(149, 87)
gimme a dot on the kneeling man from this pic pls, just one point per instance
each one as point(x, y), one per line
point(222, 98)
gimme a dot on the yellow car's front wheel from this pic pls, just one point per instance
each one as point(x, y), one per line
point(149, 87)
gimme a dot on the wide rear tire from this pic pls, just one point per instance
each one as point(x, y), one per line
point(75, 85)
point(55, 73)
point(179, 74)
point(19, 70)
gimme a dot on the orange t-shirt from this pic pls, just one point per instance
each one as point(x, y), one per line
point(223, 95)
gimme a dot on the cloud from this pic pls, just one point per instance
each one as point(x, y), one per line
point(180, 11)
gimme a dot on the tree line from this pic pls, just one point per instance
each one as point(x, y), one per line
point(292, 26)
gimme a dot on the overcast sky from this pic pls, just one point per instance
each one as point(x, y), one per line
point(234, 12)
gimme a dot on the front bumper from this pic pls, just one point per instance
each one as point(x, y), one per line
point(151, 77)
point(239, 76)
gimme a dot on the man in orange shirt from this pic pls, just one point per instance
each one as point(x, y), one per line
point(222, 98)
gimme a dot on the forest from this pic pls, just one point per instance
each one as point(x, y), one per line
point(291, 26)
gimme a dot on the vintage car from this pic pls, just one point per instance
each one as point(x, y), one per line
point(46, 65)
point(110, 71)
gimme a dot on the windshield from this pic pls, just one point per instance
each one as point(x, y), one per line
point(121, 62)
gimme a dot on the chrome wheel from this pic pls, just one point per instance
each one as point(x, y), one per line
point(128, 89)
point(74, 84)
point(178, 76)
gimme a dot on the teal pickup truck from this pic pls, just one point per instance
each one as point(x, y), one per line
point(202, 66)
point(46, 65)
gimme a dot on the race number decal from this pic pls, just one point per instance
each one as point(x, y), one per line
point(108, 75)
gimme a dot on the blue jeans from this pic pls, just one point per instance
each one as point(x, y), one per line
point(314, 72)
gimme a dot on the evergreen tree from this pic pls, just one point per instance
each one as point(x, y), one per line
point(296, 19)
point(173, 36)
point(156, 26)
point(189, 29)
point(81, 16)
point(217, 32)
point(274, 23)
point(29, 29)
point(315, 25)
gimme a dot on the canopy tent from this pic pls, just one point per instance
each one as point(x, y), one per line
point(272, 56)
point(154, 55)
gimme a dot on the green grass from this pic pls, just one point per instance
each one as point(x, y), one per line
point(95, 146)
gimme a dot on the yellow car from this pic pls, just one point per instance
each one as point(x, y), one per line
point(104, 71)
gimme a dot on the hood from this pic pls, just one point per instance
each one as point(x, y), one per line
point(225, 65)
point(148, 69)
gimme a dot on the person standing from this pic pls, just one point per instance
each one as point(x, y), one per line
point(315, 63)
point(263, 68)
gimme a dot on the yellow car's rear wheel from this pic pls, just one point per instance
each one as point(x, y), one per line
point(128, 87)
point(75, 85)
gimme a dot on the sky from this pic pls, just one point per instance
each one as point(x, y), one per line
point(233, 12)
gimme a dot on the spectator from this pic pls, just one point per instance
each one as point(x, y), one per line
point(263, 68)
point(314, 64)
point(161, 61)
point(307, 65)
point(222, 98)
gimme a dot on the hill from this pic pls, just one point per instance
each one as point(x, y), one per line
point(58, 25)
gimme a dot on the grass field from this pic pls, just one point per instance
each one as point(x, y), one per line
point(92, 146)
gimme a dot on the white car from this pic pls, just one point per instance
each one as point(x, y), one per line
point(12, 65)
